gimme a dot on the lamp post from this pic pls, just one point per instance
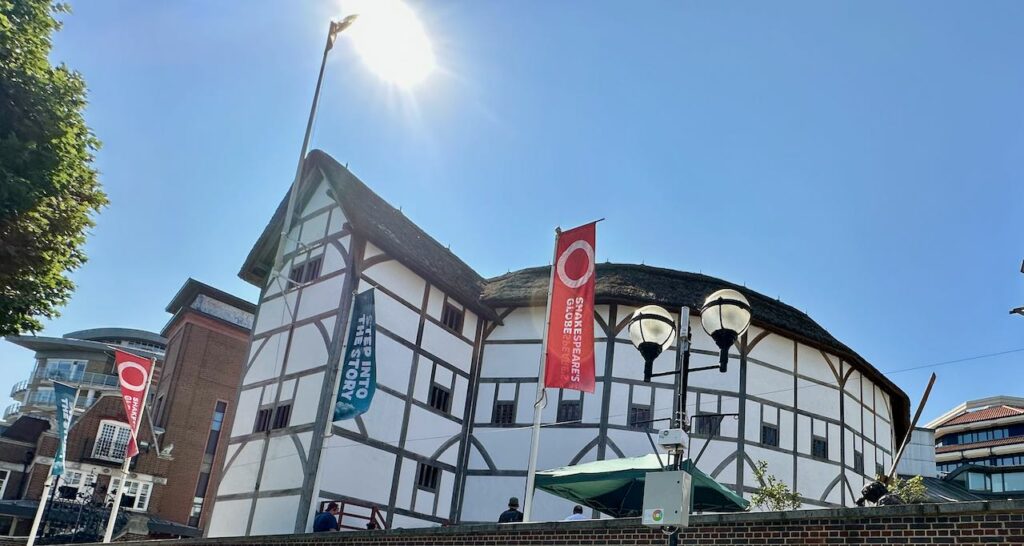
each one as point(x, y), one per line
point(725, 316)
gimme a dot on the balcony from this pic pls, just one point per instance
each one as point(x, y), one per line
point(11, 410)
point(47, 399)
point(19, 388)
point(77, 377)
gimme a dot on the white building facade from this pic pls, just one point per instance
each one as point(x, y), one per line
point(447, 439)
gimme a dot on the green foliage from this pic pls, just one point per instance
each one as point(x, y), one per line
point(48, 188)
point(773, 495)
point(910, 491)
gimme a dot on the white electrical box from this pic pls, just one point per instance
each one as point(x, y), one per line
point(672, 437)
point(666, 499)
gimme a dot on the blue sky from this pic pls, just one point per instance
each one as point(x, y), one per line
point(862, 161)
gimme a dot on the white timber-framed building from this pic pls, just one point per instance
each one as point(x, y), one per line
point(447, 438)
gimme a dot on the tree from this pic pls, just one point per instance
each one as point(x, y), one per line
point(910, 491)
point(48, 188)
point(773, 495)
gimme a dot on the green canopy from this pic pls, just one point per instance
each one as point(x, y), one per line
point(616, 487)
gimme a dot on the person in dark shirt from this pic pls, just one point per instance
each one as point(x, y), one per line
point(512, 515)
point(327, 520)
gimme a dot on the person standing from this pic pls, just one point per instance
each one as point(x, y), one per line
point(327, 520)
point(577, 514)
point(512, 515)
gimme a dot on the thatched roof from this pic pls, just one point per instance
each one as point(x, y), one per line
point(630, 284)
point(385, 226)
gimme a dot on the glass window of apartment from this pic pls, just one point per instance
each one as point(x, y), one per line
point(207, 465)
point(769, 435)
point(111, 441)
point(504, 412)
point(136, 494)
point(819, 447)
point(1013, 481)
point(68, 370)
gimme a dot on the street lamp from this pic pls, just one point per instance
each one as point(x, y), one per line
point(651, 330)
point(725, 316)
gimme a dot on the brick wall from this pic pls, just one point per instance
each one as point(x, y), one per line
point(205, 358)
point(995, 522)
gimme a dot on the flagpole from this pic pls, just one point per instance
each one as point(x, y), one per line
point(539, 405)
point(127, 460)
point(48, 484)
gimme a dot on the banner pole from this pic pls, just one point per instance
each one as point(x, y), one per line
point(39, 510)
point(538, 406)
point(127, 460)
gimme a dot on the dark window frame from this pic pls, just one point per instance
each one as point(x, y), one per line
point(264, 416)
point(767, 436)
point(711, 431)
point(566, 416)
point(428, 477)
point(282, 416)
point(498, 416)
point(452, 318)
point(858, 461)
point(640, 416)
point(307, 271)
point(440, 398)
point(817, 441)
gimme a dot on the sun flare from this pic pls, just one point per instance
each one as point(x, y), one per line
point(391, 41)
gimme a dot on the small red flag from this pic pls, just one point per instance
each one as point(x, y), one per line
point(133, 372)
point(569, 358)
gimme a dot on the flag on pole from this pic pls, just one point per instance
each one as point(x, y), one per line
point(65, 397)
point(359, 370)
point(569, 352)
point(133, 372)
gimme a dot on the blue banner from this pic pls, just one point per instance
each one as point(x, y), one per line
point(358, 364)
point(65, 398)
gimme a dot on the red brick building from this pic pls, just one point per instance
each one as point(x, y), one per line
point(179, 440)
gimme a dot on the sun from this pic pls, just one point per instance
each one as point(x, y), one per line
point(391, 41)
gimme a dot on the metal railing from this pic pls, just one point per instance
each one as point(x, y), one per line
point(49, 399)
point(18, 387)
point(12, 409)
point(77, 377)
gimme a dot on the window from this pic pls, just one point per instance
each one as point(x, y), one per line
point(440, 398)
point(71, 482)
point(819, 447)
point(428, 476)
point(879, 469)
point(640, 417)
point(769, 435)
point(708, 425)
point(307, 271)
point(858, 462)
point(262, 420)
point(111, 441)
point(504, 412)
point(204, 469)
point(570, 411)
point(136, 494)
point(451, 318)
point(4, 476)
point(282, 416)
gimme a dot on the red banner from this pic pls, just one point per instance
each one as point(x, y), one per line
point(133, 373)
point(569, 359)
